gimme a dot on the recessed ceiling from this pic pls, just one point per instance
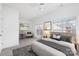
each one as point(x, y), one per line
point(32, 10)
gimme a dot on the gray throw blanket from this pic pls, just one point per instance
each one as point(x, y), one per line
point(61, 48)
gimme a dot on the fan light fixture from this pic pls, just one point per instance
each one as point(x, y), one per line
point(42, 4)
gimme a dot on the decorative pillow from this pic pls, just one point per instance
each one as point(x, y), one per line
point(56, 37)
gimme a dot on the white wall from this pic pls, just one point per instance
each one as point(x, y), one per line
point(23, 20)
point(67, 11)
point(77, 30)
point(0, 26)
point(10, 27)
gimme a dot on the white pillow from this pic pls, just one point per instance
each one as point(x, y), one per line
point(58, 36)
point(54, 36)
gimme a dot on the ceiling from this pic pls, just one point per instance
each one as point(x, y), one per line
point(32, 10)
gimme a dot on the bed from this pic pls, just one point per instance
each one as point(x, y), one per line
point(42, 49)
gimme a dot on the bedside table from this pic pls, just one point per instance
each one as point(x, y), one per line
point(77, 46)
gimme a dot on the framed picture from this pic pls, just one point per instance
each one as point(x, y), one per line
point(48, 25)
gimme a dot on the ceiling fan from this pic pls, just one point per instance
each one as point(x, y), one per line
point(42, 3)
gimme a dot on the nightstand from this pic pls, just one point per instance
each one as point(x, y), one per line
point(77, 45)
point(77, 48)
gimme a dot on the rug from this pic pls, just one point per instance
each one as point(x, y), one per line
point(24, 51)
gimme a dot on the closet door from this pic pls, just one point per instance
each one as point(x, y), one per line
point(11, 27)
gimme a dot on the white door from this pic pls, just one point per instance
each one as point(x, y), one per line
point(10, 27)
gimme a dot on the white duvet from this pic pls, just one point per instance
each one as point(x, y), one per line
point(44, 50)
